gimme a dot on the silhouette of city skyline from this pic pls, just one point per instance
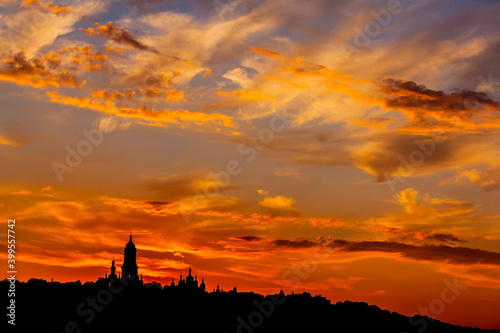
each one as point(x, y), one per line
point(130, 273)
point(125, 303)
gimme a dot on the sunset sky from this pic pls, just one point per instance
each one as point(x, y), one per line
point(344, 148)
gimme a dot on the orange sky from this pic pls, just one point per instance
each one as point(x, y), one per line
point(336, 148)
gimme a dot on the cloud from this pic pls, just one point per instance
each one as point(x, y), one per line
point(238, 76)
point(21, 192)
point(437, 253)
point(128, 95)
point(118, 34)
point(298, 243)
point(186, 205)
point(416, 237)
point(151, 117)
point(278, 202)
point(489, 179)
point(433, 253)
point(177, 186)
point(464, 110)
point(407, 198)
point(267, 53)
point(417, 205)
point(29, 28)
point(34, 73)
point(388, 155)
point(56, 9)
point(247, 238)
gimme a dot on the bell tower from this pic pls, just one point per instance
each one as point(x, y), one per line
point(129, 268)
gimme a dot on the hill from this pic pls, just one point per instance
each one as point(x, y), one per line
point(75, 308)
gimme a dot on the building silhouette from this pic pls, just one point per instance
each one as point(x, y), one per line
point(113, 270)
point(129, 267)
point(129, 272)
point(188, 284)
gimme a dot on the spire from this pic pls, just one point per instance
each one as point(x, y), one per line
point(130, 236)
point(189, 271)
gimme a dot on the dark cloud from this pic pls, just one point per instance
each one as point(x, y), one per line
point(174, 187)
point(118, 34)
point(444, 238)
point(438, 253)
point(247, 238)
point(405, 155)
point(420, 236)
point(298, 243)
point(157, 203)
point(408, 94)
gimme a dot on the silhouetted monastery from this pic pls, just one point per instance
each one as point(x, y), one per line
point(130, 274)
point(129, 267)
point(123, 303)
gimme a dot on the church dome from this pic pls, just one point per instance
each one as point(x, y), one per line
point(130, 244)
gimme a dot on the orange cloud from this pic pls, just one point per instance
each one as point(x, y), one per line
point(56, 9)
point(29, 3)
point(489, 180)
point(34, 73)
point(187, 205)
point(160, 118)
point(277, 202)
point(463, 111)
point(267, 53)
point(21, 192)
point(208, 73)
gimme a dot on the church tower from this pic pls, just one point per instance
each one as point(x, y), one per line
point(113, 270)
point(129, 268)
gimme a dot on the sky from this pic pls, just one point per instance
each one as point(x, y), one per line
point(343, 148)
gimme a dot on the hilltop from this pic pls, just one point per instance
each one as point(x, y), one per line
point(96, 307)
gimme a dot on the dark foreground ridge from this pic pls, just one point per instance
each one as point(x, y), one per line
point(122, 306)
